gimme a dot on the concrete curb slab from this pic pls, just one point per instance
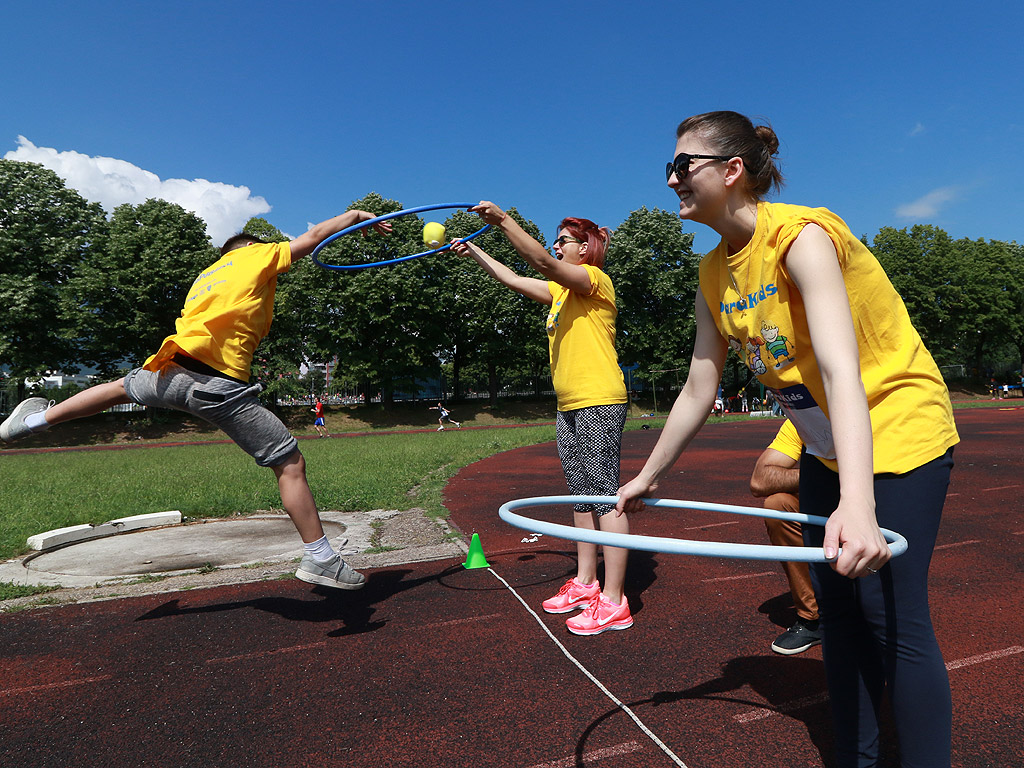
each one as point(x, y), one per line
point(60, 537)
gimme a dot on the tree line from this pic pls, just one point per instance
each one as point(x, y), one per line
point(79, 288)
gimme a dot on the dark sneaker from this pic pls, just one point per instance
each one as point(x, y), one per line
point(14, 427)
point(333, 573)
point(802, 635)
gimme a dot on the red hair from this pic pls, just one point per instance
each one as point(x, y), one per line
point(588, 232)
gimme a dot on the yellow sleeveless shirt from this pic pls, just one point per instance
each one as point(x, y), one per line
point(762, 317)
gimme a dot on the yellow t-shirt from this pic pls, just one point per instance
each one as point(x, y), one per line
point(581, 344)
point(787, 441)
point(763, 319)
point(228, 310)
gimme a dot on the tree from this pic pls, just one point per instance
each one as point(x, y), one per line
point(383, 322)
point(46, 232)
point(264, 230)
point(990, 321)
point(652, 264)
point(964, 296)
point(1016, 289)
point(489, 330)
point(129, 297)
point(925, 267)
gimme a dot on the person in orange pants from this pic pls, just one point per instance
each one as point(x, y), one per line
point(776, 479)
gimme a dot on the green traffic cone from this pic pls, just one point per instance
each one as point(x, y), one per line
point(475, 558)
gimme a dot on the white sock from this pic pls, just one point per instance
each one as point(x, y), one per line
point(37, 421)
point(320, 550)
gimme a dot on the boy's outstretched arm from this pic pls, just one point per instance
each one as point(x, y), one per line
point(304, 244)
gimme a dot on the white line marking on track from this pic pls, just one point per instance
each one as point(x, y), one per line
point(1001, 488)
point(959, 544)
point(789, 706)
point(709, 525)
point(737, 578)
point(257, 654)
point(565, 651)
point(53, 686)
point(983, 657)
point(462, 621)
point(592, 757)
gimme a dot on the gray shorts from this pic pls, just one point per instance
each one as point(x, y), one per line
point(226, 403)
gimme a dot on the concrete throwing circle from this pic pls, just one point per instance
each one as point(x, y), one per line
point(217, 543)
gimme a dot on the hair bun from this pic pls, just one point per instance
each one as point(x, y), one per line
point(767, 135)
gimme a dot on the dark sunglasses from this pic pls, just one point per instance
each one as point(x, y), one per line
point(681, 165)
point(560, 241)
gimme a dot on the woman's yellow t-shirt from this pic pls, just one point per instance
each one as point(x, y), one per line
point(228, 310)
point(581, 344)
point(762, 317)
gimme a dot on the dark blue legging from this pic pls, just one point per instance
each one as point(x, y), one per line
point(878, 634)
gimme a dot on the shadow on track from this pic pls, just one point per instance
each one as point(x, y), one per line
point(354, 609)
point(758, 674)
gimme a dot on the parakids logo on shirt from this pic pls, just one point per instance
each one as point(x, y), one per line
point(752, 300)
point(796, 397)
point(215, 271)
point(197, 290)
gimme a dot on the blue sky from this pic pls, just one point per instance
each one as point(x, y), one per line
point(890, 114)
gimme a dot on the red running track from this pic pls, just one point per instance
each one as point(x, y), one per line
point(433, 665)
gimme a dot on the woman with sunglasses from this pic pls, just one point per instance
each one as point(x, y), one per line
point(816, 319)
point(590, 390)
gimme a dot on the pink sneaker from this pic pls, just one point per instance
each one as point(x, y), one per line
point(601, 614)
point(571, 596)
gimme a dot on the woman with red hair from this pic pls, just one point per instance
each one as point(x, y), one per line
point(590, 390)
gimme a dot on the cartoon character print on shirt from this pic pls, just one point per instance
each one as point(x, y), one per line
point(556, 310)
point(754, 361)
point(777, 344)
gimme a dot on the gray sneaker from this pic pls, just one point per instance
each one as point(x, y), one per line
point(334, 573)
point(14, 427)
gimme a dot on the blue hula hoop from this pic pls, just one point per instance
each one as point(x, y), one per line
point(897, 543)
point(385, 217)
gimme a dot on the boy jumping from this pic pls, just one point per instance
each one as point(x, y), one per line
point(203, 369)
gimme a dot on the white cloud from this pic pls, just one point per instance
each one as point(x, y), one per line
point(928, 206)
point(111, 182)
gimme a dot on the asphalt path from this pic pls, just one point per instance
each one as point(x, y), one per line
point(433, 664)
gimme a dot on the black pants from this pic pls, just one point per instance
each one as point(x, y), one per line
point(878, 634)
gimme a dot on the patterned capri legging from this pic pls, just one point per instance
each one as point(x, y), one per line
point(589, 440)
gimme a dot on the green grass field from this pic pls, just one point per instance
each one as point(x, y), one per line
point(40, 492)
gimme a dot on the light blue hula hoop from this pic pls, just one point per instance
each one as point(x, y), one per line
point(385, 217)
point(897, 543)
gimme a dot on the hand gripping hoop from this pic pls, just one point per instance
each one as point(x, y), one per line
point(385, 217)
point(897, 543)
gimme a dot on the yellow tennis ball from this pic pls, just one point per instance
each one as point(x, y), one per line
point(433, 234)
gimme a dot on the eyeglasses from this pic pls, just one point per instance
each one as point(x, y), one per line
point(681, 165)
point(560, 241)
